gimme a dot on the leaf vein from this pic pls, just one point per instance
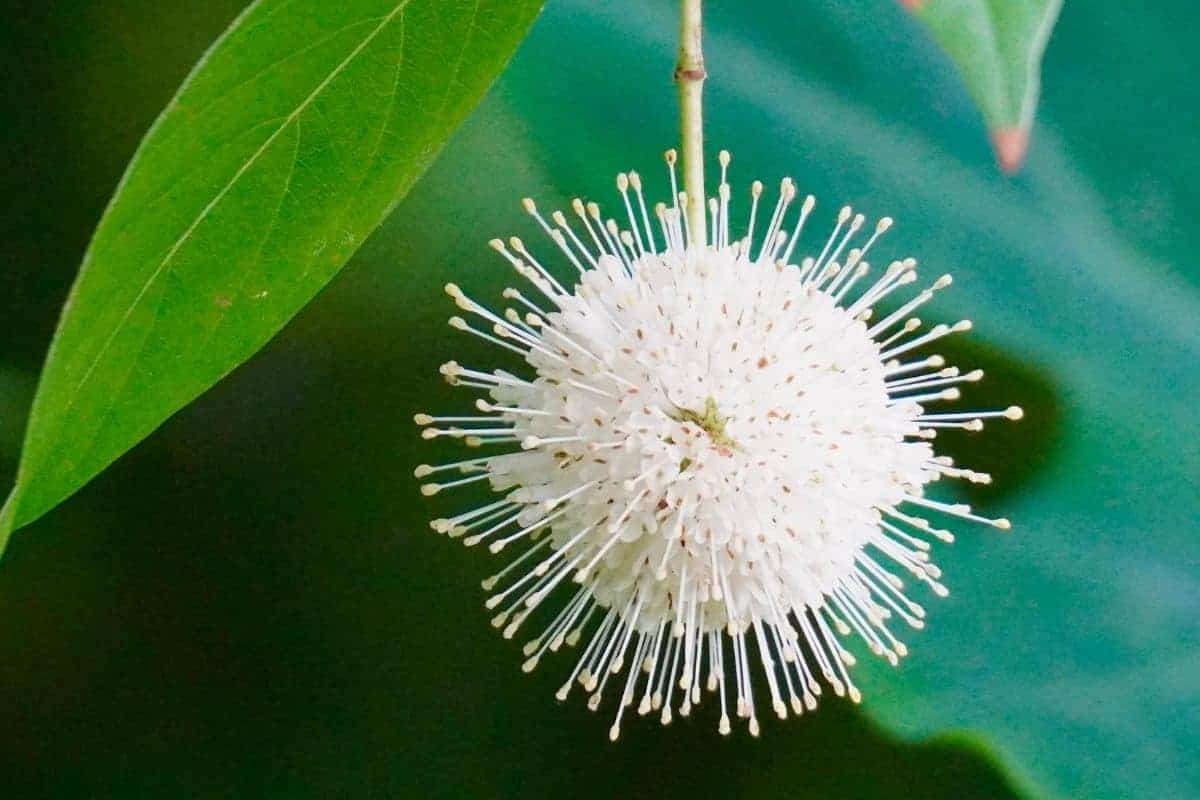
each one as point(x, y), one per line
point(191, 229)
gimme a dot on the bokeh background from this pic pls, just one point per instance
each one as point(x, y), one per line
point(249, 603)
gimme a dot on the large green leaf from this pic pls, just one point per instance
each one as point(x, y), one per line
point(1067, 646)
point(293, 138)
point(997, 46)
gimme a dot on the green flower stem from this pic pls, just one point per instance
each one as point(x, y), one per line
point(689, 80)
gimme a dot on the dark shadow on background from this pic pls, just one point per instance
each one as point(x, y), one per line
point(1012, 453)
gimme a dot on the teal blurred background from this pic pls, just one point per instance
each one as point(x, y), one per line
point(250, 604)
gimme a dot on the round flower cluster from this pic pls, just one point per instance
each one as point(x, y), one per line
point(717, 460)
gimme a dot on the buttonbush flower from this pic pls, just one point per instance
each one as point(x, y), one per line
point(715, 461)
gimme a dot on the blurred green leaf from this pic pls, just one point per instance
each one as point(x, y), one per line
point(289, 143)
point(1065, 645)
point(997, 46)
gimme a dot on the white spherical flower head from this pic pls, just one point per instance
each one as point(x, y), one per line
point(720, 453)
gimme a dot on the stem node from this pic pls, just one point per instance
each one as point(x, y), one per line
point(689, 80)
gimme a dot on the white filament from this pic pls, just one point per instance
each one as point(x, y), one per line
point(709, 442)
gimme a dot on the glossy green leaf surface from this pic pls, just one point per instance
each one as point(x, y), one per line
point(997, 47)
point(290, 141)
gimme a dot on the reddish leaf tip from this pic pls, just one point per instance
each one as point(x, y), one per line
point(1010, 145)
point(911, 5)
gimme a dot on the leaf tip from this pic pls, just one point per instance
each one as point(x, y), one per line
point(911, 5)
point(1010, 145)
